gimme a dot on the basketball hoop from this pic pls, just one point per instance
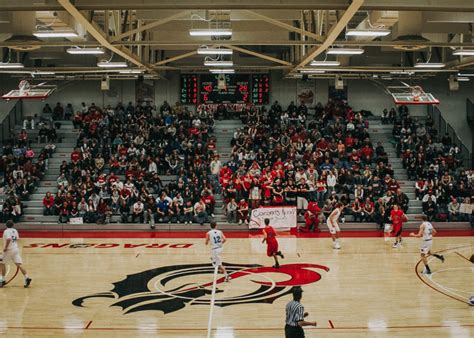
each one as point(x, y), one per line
point(24, 87)
point(416, 93)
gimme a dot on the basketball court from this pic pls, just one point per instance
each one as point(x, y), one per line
point(161, 287)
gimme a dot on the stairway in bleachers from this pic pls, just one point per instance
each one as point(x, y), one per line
point(383, 133)
point(224, 132)
point(34, 210)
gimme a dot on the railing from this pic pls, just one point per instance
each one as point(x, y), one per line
point(9, 119)
point(443, 127)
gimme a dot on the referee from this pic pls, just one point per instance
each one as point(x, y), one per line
point(295, 316)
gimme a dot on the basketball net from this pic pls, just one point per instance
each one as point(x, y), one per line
point(416, 93)
point(24, 87)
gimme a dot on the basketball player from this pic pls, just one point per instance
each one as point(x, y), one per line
point(397, 216)
point(217, 239)
point(269, 236)
point(333, 225)
point(10, 252)
point(426, 232)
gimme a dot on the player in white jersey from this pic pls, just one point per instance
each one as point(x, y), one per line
point(11, 252)
point(333, 225)
point(217, 239)
point(426, 233)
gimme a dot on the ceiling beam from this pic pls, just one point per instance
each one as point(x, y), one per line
point(284, 25)
point(396, 5)
point(176, 58)
point(94, 30)
point(260, 55)
point(150, 25)
point(332, 35)
point(195, 43)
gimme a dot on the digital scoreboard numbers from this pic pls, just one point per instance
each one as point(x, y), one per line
point(260, 89)
point(236, 88)
point(189, 89)
point(239, 88)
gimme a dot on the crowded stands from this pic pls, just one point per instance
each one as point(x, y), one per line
point(436, 164)
point(121, 155)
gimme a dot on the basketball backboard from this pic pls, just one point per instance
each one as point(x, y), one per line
point(411, 95)
point(26, 91)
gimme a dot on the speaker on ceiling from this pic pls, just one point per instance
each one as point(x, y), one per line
point(339, 84)
point(105, 83)
point(453, 83)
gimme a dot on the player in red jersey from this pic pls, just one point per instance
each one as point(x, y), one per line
point(397, 216)
point(269, 236)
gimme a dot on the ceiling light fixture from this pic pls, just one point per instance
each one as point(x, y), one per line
point(218, 63)
point(42, 72)
point(325, 63)
point(222, 71)
point(463, 79)
point(214, 51)
point(80, 51)
point(371, 32)
point(131, 71)
point(465, 75)
point(312, 71)
point(11, 65)
point(117, 64)
point(463, 52)
point(55, 34)
point(429, 65)
point(211, 32)
point(345, 51)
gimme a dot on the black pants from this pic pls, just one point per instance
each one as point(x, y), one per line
point(294, 331)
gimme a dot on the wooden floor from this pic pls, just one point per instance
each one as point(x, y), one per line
point(369, 290)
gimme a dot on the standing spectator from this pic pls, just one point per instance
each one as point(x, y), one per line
point(58, 112)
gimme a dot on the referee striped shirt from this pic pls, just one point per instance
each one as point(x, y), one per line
point(294, 313)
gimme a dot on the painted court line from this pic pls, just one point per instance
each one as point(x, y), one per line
point(229, 234)
point(467, 259)
point(394, 327)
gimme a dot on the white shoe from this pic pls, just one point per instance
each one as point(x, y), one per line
point(212, 215)
point(395, 245)
point(240, 222)
point(227, 278)
point(425, 272)
point(337, 246)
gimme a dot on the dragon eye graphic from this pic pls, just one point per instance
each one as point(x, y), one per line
point(163, 289)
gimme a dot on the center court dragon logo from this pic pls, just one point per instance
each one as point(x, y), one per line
point(150, 290)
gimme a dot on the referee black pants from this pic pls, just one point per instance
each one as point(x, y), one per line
point(294, 331)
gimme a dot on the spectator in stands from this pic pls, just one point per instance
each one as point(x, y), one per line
point(200, 213)
point(242, 212)
point(48, 204)
point(453, 210)
point(58, 112)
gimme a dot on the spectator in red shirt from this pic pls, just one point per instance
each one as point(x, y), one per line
point(48, 204)
point(242, 212)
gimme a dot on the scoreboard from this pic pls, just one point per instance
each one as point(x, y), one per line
point(240, 88)
point(189, 89)
point(260, 89)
